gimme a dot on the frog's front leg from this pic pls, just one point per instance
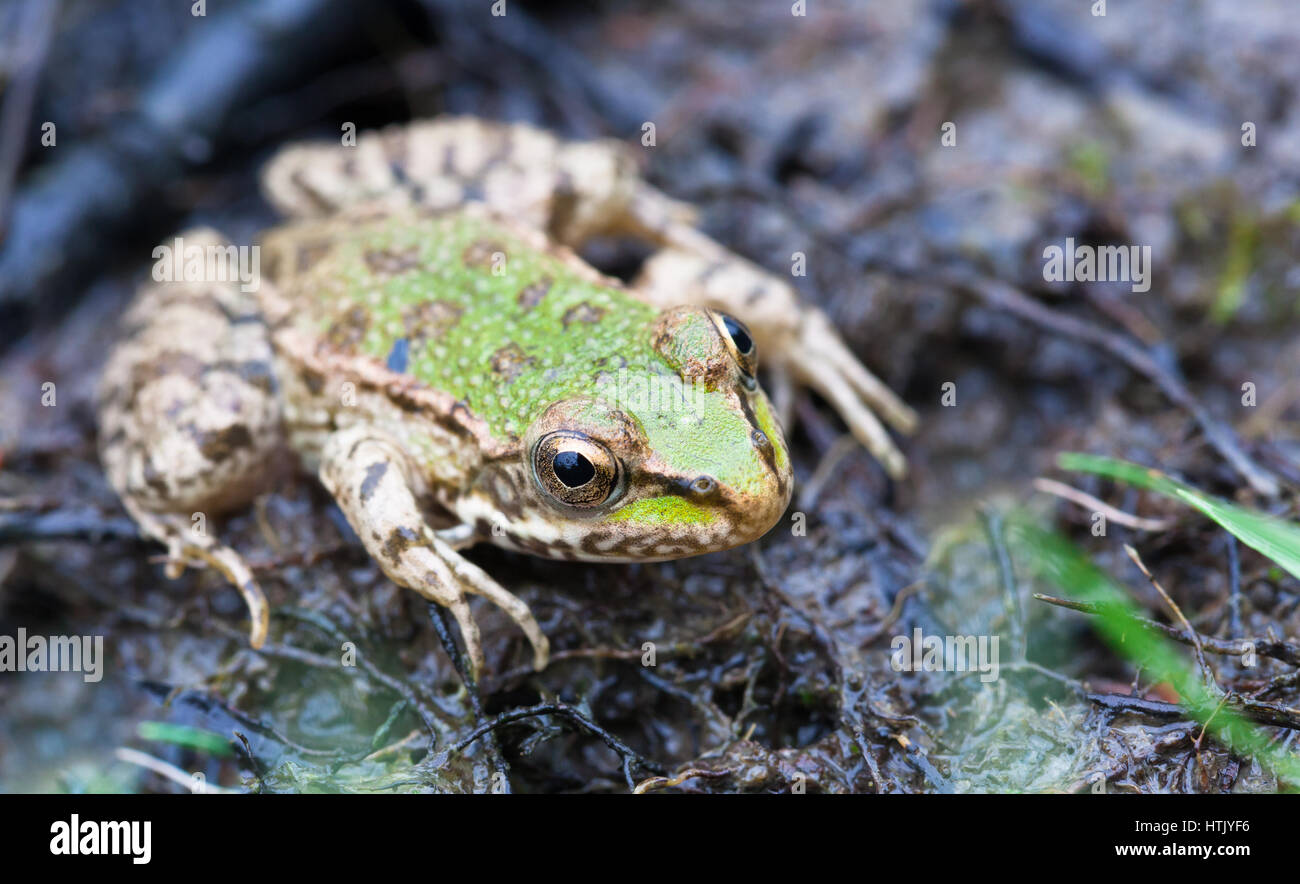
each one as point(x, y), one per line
point(370, 477)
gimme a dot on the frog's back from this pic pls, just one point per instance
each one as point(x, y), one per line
point(464, 303)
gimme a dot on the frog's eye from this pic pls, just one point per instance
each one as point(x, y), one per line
point(740, 343)
point(575, 469)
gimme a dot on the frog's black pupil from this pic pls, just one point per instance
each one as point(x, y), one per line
point(744, 343)
point(573, 469)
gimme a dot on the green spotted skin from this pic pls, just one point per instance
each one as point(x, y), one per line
point(508, 326)
point(500, 326)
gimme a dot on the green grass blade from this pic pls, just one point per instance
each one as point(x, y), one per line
point(1056, 560)
point(183, 735)
point(1275, 538)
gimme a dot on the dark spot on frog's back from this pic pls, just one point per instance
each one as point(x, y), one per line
point(584, 312)
point(313, 379)
point(392, 261)
point(217, 445)
point(399, 356)
point(346, 333)
point(254, 372)
point(531, 295)
point(171, 362)
point(310, 254)
point(430, 320)
point(480, 254)
point(511, 361)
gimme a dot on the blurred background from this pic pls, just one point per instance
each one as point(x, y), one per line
point(1168, 124)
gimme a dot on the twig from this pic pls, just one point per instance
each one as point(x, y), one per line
point(1234, 585)
point(171, 772)
point(1126, 703)
point(894, 612)
point(564, 710)
point(1217, 709)
point(438, 614)
point(1083, 499)
point(1276, 650)
point(1277, 683)
point(655, 783)
point(922, 762)
point(682, 647)
point(1260, 713)
point(254, 764)
point(1178, 612)
point(85, 525)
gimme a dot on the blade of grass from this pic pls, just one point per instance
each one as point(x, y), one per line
point(1277, 539)
point(1056, 560)
point(183, 735)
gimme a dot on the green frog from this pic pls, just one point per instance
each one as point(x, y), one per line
point(424, 338)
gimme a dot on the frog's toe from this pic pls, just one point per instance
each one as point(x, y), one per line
point(469, 631)
point(818, 337)
point(185, 547)
point(820, 359)
point(236, 570)
point(478, 582)
point(864, 425)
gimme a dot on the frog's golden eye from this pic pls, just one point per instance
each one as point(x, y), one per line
point(575, 469)
point(740, 343)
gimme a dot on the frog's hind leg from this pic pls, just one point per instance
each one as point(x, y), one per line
point(189, 418)
point(569, 190)
point(366, 473)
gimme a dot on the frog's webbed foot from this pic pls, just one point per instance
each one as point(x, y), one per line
point(795, 337)
point(189, 421)
point(366, 473)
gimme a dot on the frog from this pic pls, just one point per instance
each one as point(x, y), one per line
point(424, 337)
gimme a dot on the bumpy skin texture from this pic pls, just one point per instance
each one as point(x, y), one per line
point(427, 338)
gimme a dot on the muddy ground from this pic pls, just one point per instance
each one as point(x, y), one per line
point(819, 134)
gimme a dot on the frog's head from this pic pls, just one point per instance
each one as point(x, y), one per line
point(672, 457)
